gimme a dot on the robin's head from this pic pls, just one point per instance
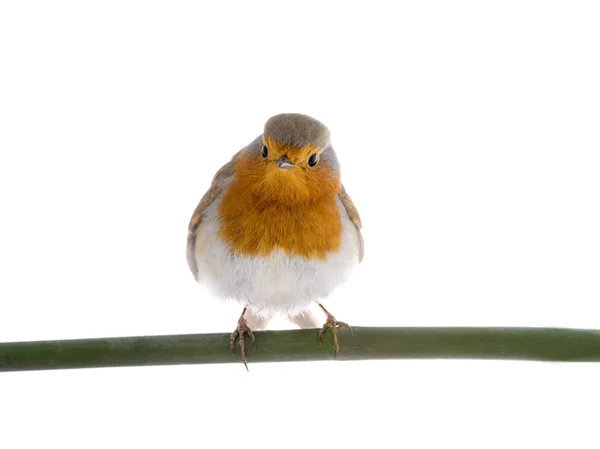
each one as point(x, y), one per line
point(292, 162)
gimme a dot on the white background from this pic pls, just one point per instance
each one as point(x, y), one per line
point(468, 134)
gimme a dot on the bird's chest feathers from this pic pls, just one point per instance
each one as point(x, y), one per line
point(256, 227)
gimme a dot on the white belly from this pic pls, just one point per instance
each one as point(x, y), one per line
point(278, 284)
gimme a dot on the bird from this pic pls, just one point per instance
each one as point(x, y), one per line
point(277, 231)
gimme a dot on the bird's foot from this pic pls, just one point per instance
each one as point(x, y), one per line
point(241, 329)
point(332, 324)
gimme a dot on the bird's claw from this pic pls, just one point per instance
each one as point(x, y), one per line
point(241, 329)
point(332, 324)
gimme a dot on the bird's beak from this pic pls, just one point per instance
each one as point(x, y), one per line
point(284, 162)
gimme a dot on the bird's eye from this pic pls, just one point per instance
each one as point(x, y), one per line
point(265, 151)
point(312, 160)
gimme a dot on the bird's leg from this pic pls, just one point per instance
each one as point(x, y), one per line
point(332, 324)
point(241, 329)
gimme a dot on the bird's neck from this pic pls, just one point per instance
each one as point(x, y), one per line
point(254, 226)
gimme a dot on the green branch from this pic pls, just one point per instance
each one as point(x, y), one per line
point(366, 343)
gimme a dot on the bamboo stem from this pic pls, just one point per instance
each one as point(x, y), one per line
point(366, 343)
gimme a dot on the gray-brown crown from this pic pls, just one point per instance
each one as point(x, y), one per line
point(297, 129)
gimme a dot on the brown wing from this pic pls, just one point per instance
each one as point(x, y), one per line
point(355, 218)
point(219, 182)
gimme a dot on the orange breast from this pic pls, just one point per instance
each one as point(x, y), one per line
point(257, 219)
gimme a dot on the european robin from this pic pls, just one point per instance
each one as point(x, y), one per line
point(276, 230)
